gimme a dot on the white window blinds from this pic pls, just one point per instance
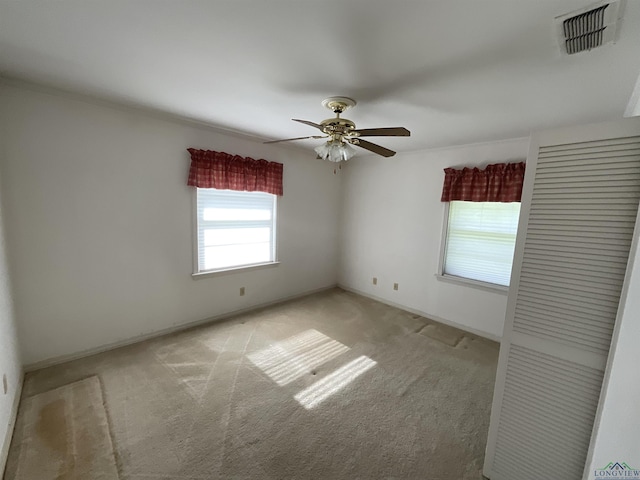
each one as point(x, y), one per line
point(235, 228)
point(480, 240)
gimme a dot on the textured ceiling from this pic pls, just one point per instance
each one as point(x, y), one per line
point(452, 72)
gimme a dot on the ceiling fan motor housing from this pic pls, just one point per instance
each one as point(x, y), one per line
point(337, 126)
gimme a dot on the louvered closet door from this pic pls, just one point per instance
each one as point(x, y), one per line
point(579, 212)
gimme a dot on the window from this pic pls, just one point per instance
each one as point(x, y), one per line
point(234, 229)
point(480, 240)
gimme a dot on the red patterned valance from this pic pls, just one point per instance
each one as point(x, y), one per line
point(500, 182)
point(210, 169)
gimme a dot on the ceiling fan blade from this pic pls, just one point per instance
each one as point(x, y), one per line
point(297, 138)
point(383, 132)
point(372, 147)
point(311, 124)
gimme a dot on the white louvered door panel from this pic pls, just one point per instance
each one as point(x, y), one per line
point(579, 210)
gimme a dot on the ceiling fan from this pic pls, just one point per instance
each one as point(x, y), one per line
point(342, 133)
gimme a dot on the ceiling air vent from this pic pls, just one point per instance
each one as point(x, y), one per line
point(588, 28)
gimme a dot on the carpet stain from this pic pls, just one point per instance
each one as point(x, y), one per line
point(52, 426)
point(64, 435)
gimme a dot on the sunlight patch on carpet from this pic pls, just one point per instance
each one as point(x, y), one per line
point(315, 394)
point(296, 356)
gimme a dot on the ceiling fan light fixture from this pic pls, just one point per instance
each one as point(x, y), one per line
point(335, 151)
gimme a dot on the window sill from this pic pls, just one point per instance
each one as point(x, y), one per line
point(226, 271)
point(491, 287)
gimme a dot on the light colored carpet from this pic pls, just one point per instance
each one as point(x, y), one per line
point(330, 386)
point(64, 435)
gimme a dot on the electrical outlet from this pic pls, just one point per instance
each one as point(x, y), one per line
point(375, 280)
point(5, 384)
point(395, 286)
point(242, 291)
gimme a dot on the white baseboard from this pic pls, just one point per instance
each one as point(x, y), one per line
point(436, 318)
point(49, 362)
point(4, 452)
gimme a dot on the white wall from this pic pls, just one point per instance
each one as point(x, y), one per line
point(392, 223)
point(99, 223)
point(617, 427)
point(9, 357)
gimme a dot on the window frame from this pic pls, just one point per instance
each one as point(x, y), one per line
point(197, 274)
point(445, 277)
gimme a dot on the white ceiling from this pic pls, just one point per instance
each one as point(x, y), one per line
point(452, 72)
